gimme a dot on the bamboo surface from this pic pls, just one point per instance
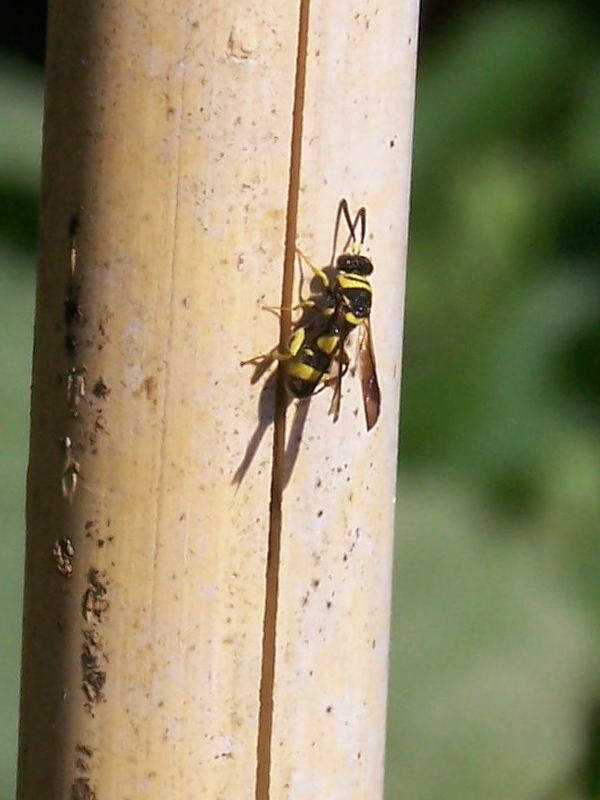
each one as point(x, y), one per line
point(333, 625)
point(176, 181)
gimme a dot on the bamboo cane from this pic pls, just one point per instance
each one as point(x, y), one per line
point(186, 149)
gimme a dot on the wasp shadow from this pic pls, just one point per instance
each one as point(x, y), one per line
point(294, 438)
point(266, 417)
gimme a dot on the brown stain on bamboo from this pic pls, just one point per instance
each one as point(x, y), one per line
point(63, 553)
point(81, 790)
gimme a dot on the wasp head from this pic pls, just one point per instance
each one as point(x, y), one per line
point(355, 264)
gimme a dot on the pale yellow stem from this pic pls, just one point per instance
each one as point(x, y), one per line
point(176, 185)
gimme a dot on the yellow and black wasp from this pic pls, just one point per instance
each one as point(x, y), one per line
point(316, 352)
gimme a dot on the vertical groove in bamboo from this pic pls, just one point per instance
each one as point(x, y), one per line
point(166, 190)
point(278, 469)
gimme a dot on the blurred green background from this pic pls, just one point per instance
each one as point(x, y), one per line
point(495, 680)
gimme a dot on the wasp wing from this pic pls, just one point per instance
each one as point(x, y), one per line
point(341, 361)
point(368, 377)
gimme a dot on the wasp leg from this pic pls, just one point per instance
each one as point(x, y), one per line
point(328, 380)
point(336, 398)
point(295, 344)
point(308, 302)
point(279, 309)
point(272, 355)
point(315, 270)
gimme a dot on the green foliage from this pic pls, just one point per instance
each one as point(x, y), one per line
point(16, 312)
point(20, 110)
point(498, 553)
point(488, 656)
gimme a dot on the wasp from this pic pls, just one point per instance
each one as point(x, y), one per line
point(316, 352)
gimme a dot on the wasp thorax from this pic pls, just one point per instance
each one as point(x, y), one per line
point(355, 264)
point(359, 307)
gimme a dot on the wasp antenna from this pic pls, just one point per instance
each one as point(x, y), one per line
point(361, 216)
point(346, 212)
point(352, 224)
point(342, 208)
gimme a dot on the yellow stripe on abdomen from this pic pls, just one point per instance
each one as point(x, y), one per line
point(328, 344)
point(303, 372)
